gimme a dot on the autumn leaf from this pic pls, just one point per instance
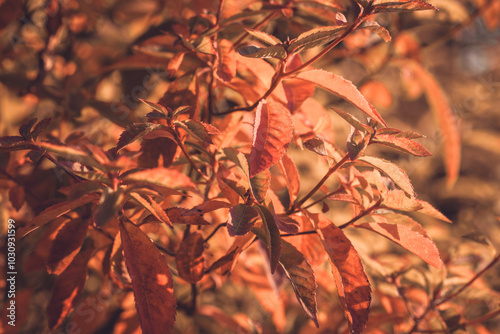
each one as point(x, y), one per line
point(417, 243)
point(378, 29)
point(68, 288)
point(272, 233)
point(317, 146)
point(66, 245)
point(446, 120)
point(151, 280)
point(296, 92)
point(291, 174)
point(154, 208)
point(273, 132)
point(400, 5)
point(165, 177)
point(135, 132)
point(402, 143)
point(57, 210)
point(315, 37)
point(264, 37)
point(352, 283)
point(226, 61)
point(259, 184)
point(241, 219)
point(391, 170)
point(343, 88)
point(71, 154)
point(189, 259)
point(207, 206)
point(252, 51)
point(300, 274)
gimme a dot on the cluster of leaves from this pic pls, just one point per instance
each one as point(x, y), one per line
point(150, 213)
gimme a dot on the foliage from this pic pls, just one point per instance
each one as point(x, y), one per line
point(194, 190)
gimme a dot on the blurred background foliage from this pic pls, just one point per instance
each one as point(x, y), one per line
point(85, 63)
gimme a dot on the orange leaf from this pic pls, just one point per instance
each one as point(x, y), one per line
point(400, 5)
point(273, 132)
point(446, 120)
point(67, 243)
point(165, 177)
point(189, 259)
point(67, 289)
point(418, 244)
point(226, 62)
point(291, 174)
point(208, 206)
point(154, 208)
point(296, 92)
point(273, 238)
point(151, 280)
point(259, 184)
point(343, 88)
point(402, 143)
point(352, 283)
point(391, 170)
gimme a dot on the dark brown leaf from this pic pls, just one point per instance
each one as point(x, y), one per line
point(189, 260)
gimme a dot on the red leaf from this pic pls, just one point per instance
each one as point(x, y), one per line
point(291, 174)
point(446, 120)
point(352, 283)
point(151, 280)
point(343, 88)
point(287, 224)
point(189, 259)
point(259, 184)
point(66, 245)
point(418, 244)
point(135, 132)
point(273, 132)
point(58, 210)
point(178, 216)
point(67, 289)
point(226, 62)
point(208, 206)
point(199, 129)
point(273, 238)
point(241, 219)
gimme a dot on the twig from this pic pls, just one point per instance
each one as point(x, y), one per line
point(188, 157)
point(214, 231)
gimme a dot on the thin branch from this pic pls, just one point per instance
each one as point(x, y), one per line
point(298, 233)
point(362, 214)
point(215, 231)
point(255, 26)
point(297, 205)
point(323, 198)
point(188, 157)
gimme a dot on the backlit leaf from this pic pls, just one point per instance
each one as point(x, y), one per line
point(418, 244)
point(272, 133)
point(397, 200)
point(66, 245)
point(428, 209)
point(241, 219)
point(378, 29)
point(207, 206)
point(226, 62)
point(68, 288)
point(199, 129)
point(317, 146)
point(178, 216)
point(352, 283)
point(315, 37)
point(158, 107)
point(291, 174)
point(264, 37)
point(343, 88)
point(402, 143)
point(353, 121)
point(189, 260)
point(401, 5)
point(393, 171)
point(253, 51)
point(165, 177)
point(71, 154)
point(296, 92)
point(151, 280)
point(259, 184)
point(287, 224)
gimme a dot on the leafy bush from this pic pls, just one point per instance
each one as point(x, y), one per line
point(197, 217)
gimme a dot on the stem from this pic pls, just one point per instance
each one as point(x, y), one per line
point(164, 250)
point(332, 170)
point(466, 285)
point(214, 231)
point(362, 214)
point(323, 198)
point(297, 234)
point(194, 295)
point(186, 154)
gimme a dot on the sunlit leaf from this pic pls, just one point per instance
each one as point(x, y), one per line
point(165, 177)
point(207, 206)
point(315, 37)
point(291, 174)
point(152, 281)
point(259, 184)
point(253, 51)
point(296, 92)
point(393, 171)
point(272, 133)
point(154, 208)
point(71, 154)
point(401, 143)
point(264, 37)
point(378, 29)
point(343, 88)
point(401, 5)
